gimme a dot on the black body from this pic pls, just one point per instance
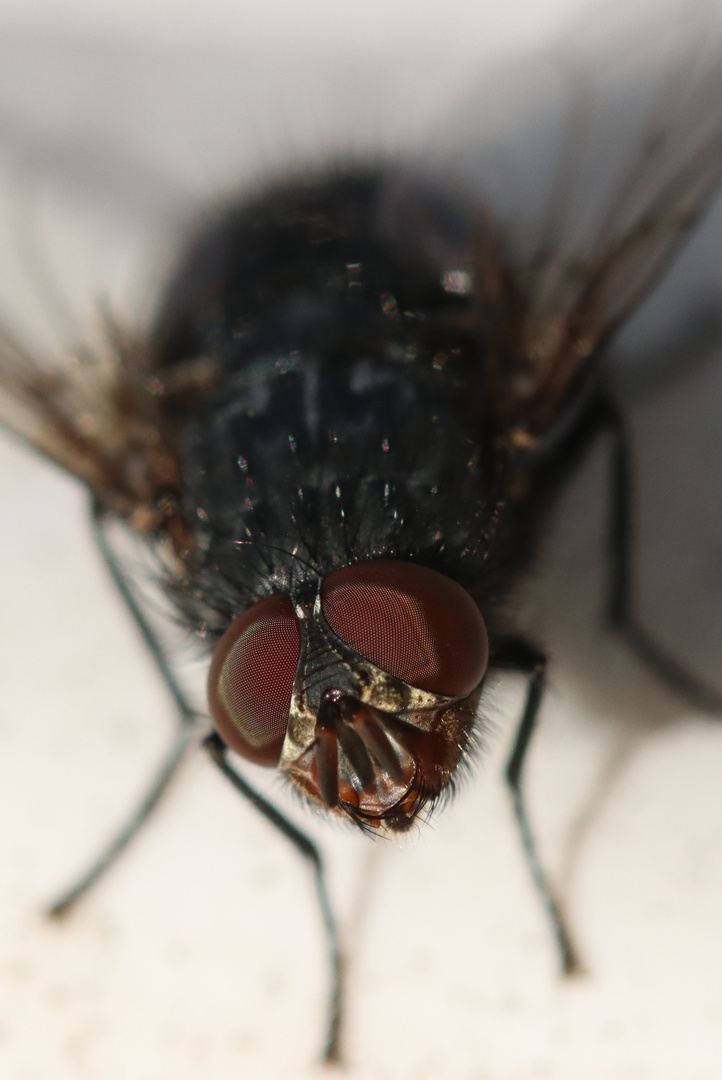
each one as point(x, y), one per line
point(348, 421)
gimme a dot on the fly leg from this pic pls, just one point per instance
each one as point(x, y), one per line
point(218, 752)
point(621, 582)
point(516, 654)
point(183, 741)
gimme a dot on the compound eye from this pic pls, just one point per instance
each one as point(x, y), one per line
point(414, 623)
point(251, 679)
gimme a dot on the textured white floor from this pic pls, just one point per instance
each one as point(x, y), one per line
point(200, 955)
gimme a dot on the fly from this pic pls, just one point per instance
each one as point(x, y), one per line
point(340, 441)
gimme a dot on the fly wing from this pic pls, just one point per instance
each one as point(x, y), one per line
point(71, 191)
point(584, 171)
point(59, 410)
point(98, 417)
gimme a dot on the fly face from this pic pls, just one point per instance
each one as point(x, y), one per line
point(364, 694)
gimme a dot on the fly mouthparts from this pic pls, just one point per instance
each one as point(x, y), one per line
point(371, 756)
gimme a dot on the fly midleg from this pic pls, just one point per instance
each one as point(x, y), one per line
point(516, 655)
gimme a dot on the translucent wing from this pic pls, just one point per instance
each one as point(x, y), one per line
point(583, 171)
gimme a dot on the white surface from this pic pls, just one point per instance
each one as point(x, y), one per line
point(200, 955)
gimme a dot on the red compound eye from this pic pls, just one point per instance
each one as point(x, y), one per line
point(251, 679)
point(412, 622)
